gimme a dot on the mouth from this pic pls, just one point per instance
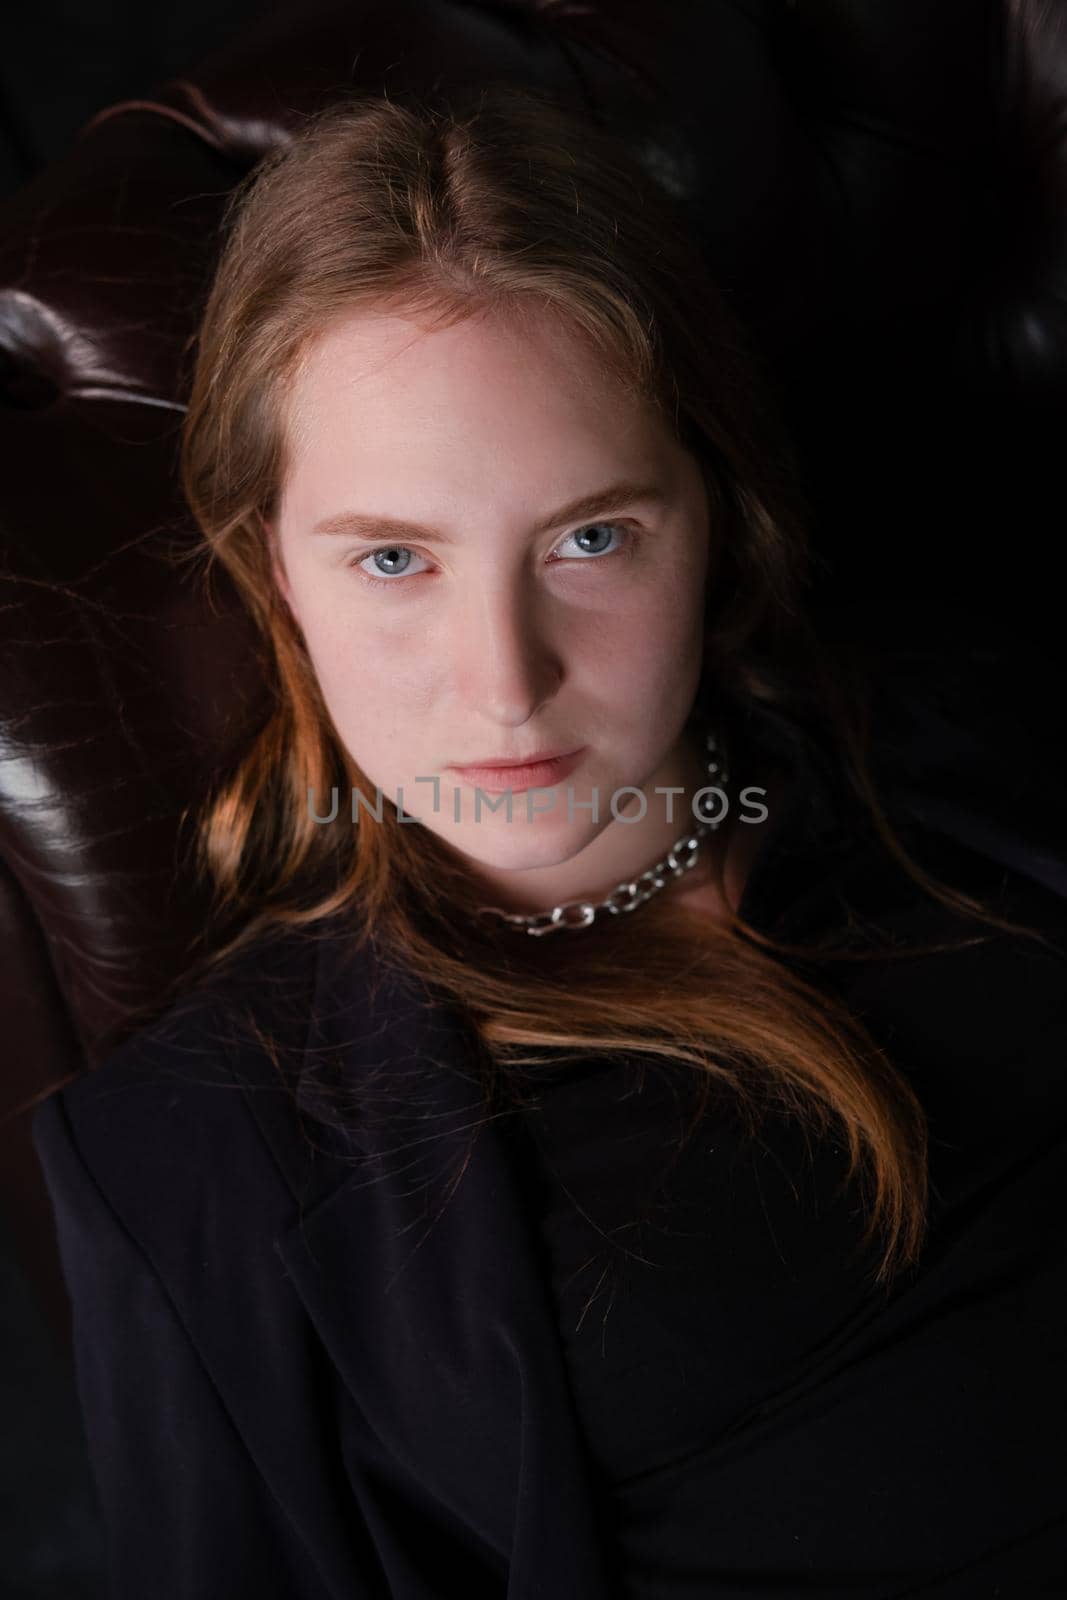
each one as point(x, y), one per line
point(530, 775)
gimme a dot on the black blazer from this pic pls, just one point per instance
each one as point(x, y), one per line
point(327, 1367)
point(303, 1378)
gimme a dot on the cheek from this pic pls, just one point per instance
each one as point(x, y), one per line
point(665, 649)
point(666, 623)
point(375, 680)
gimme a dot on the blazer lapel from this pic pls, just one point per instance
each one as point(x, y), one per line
point(417, 1261)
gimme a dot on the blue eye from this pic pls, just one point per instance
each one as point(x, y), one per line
point(400, 554)
point(583, 533)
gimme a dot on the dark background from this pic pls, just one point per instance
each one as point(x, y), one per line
point(61, 63)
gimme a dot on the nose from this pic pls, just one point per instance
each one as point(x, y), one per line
point(507, 664)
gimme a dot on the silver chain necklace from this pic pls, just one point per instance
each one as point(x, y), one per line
point(680, 859)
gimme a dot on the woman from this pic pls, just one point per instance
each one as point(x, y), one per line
point(638, 1171)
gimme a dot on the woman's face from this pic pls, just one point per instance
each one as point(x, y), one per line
point(501, 617)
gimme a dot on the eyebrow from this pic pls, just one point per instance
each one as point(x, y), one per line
point(603, 502)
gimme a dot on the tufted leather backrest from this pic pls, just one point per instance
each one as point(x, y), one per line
point(880, 189)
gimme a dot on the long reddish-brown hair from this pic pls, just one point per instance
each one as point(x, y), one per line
point(512, 204)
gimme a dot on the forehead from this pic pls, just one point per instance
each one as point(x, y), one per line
point(377, 380)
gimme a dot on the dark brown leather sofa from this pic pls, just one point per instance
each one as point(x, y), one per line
point(881, 189)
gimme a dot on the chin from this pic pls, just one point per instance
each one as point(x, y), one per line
point(520, 845)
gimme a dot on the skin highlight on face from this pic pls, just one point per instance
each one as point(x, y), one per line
point(477, 625)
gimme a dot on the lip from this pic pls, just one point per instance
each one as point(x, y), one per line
point(541, 774)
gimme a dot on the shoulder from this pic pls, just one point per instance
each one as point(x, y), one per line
point(165, 1125)
point(261, 991)
point(979, 1027)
